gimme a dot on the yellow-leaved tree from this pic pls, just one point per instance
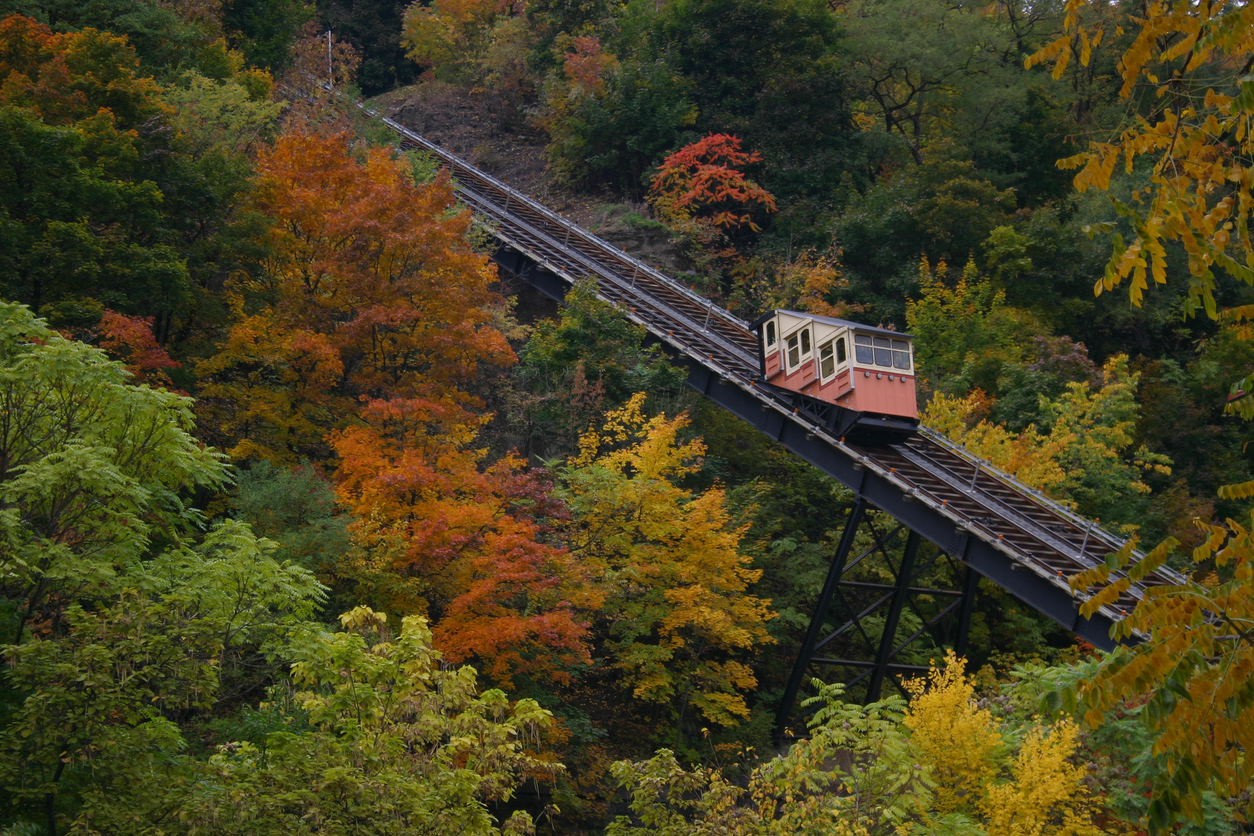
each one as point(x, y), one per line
point(979, 777)
point(953, 734)
point(1193, 138)
point(678, 620)
point(943, 764)
point(1087, 456)
point(1191, 671)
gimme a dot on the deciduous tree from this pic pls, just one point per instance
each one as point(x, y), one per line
point(130, 339)
point(123, 613)
point(93, 470)
point(1191, 138)
point(678, 613)
point(372, 291)
point(472, 536)
point(398, 740)
point(702, 181)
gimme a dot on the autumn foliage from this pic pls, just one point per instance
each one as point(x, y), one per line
point(372, 291)
point(68, 76)
point(703, 181)
point(472, 537)
point(679, 614)
point(130, 339)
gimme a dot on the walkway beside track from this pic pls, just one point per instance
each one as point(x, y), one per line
point(1005, 530)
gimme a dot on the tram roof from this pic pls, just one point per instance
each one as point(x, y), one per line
point(757, 324)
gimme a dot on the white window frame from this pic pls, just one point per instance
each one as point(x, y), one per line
point(801, 336)
point(830, 348)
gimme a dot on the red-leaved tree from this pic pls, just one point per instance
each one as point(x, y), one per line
point(703, 182)
point(472, 537)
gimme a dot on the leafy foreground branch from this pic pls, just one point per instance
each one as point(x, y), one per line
point(398, 744)
point(940, 764)
point(1190, 681)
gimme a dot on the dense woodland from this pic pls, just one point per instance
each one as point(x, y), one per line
point(310, 524)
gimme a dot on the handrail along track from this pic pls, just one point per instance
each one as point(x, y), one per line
point(1029, 530)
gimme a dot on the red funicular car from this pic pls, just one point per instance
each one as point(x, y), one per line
point(860, 369)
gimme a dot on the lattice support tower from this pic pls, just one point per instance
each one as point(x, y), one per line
point(856, 631)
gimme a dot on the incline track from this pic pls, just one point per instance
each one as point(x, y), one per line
point(1028, 529)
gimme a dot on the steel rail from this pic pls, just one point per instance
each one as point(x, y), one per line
point(1029, 528)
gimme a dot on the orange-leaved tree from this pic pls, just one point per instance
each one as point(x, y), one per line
point(473, 538)
point(371, 283)
point(679, 621)
point(702, 194)
point(64, 77)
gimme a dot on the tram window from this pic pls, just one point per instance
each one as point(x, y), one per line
point(794, 353)
point(862, 351)
point(827, 360)
point(805, 342)
point(901, 354)
point(770, 333)
point(884, 352)
point(840, 350)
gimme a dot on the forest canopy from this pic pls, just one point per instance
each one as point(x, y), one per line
point(314, 520)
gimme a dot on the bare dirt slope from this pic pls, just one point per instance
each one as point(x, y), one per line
point(477, 128)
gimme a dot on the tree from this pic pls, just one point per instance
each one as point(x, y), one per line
point(97, 688)
point(702, 181)
point(398, 740)
point(712, 207)
point(372, 290)
point(121, 613)
point(939, 765)
point(1085, 452)
point(852, 776)
point(78, 215)
point(617, 130)
point(453, 37)
point(1190, 671)
point(1192, 135)
point(734, 52)
point(296, 509)
point(923, 65)
point(93, 470)
point(943, 210)
point(374, 30)
point(264, 30)
point(167, 38)
point(130, 339)
point(954, 736)
point(677, 612)
point(591, 360)
point(473, 539)
point(966, 334)
point(319, 70)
